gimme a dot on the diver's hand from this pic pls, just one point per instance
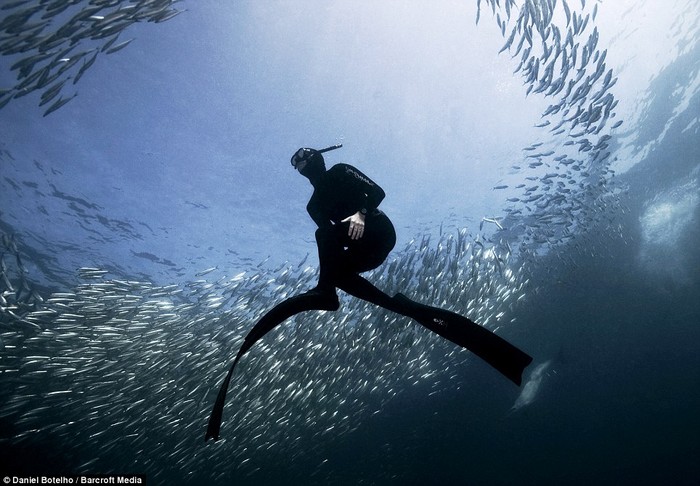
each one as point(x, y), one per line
point(357, 225)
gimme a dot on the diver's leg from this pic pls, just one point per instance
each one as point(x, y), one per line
point(359, 287)
point(330, 254)
point(372, 249)
point(340, 267)
point(366, 254)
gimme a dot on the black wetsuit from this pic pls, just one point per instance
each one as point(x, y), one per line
point(338, 193)
point(341, 192)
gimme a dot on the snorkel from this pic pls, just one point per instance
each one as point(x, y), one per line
point(332, 147)
point(306, 154)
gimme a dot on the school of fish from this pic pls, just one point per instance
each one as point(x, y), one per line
point(130, 366)
point(116, 364)
point(52, 42)
point(564, 184)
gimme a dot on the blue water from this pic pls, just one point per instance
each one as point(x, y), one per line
point(173, 159)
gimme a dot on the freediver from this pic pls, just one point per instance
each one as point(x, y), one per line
point(353, 237)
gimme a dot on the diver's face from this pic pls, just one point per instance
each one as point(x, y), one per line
point(301, 165)
point(301, 159)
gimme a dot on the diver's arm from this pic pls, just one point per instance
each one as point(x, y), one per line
point(373, 194)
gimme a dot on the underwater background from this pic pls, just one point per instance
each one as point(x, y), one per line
point(541, 162)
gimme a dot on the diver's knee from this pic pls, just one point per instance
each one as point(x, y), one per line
point(323, 234)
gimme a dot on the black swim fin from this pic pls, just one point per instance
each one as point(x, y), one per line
point(493, 349)
point(277, 315)
point(490, 347)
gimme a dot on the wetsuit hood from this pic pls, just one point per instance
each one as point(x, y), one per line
point(310, 163)
point(314, 169)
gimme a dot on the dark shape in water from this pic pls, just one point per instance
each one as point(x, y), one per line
point(496, 351)
point(493, 349)
point(276, 316)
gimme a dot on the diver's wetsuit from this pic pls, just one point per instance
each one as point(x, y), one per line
point(338, 193)
point(341, 192)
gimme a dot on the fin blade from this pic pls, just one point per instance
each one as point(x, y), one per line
point(276, 316)
point(509, 360)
